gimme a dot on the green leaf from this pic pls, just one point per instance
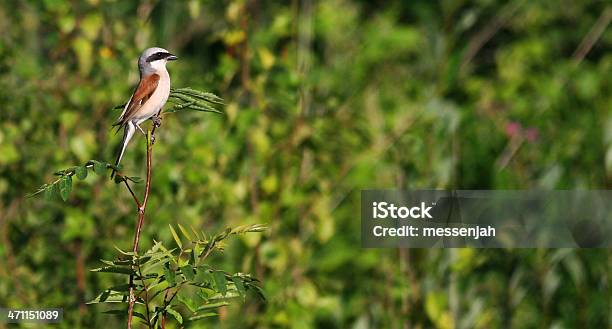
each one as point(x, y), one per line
point(168, 253)
point(99, 167)
point(127, 253)
point(51, 192)
point(212, 305)
point(103, 297)
point(108, 296)
point(175, 314)
point(134, 179)
point(170, 275)
point(121, 287)
point(197, 250)
point(259, 291)
point(153, 265)
point(188, 303)
point(220, 281)
point(185, 233)
point(205, 96)
point(60, 173)
point(204, 294)
point(220, 297)
point(194, 255)
point(202, 316)
point(195, 232)
point(140, 315)
point(203, 275)
point(239, 285)
point(190, 99)
point(249, 229)
point(80, 172)
point(175, 236)
point(187, 271)
point(65, 187)
point(115, 269)
point(112, 166)
point(138, 260)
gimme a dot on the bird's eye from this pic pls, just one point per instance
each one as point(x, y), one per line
point(157, 56)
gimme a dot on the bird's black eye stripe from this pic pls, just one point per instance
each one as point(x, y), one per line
point(157, 56)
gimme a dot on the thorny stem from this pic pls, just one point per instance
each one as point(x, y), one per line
point(141, 214)
point(146, 293)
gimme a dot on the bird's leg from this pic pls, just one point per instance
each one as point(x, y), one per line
point(142, 131)
point(156, 123)
point(156, 120)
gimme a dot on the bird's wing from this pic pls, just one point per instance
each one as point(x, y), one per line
point(143, 92)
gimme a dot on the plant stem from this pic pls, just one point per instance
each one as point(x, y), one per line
point(132, 193)
point(141, 216)
point(146, 291)
point(167, 303)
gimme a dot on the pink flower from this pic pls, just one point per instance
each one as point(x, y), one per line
point(513, 128)
point(532, 134)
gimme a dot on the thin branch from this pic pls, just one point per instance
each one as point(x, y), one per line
point(593, 35)
point(163, 324)
point(163, 315)
point(141, 213)
point(146, 292)
point(210, 249)
point(511, 149)
point(490, 29)
point(132, 193)
point(175, 293)
point(167, 303)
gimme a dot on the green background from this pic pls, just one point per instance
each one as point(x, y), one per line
point(323, 99)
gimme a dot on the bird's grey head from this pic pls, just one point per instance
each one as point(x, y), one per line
point(154, 59)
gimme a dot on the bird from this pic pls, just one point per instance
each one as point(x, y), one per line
point(149, 97)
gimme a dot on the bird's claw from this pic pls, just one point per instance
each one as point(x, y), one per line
point(156, 121)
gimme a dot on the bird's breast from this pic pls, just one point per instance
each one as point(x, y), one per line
point(156, 102)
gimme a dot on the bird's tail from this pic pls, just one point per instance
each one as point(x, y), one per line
point(128, 132)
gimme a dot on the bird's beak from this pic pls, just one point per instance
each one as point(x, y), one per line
point(171, 57)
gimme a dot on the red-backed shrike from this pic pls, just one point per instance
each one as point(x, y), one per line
point(149, 97)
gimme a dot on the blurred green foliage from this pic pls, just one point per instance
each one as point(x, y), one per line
point(323, 98)
point(176, 283)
